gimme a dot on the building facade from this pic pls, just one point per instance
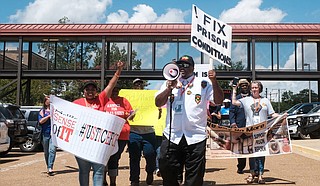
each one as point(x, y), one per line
point(273, 52)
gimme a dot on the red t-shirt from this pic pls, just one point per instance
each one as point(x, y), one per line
point(97, 103)
point(120, 107)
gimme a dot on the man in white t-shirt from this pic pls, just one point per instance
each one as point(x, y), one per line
point(184, 139)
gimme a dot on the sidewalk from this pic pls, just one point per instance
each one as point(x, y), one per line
point(308, 147)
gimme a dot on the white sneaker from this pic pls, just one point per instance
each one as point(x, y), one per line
point(50, 172)
point(158, 173)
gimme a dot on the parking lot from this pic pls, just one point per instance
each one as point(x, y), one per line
point(299, 168)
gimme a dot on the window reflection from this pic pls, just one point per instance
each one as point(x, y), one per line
point(141, 56)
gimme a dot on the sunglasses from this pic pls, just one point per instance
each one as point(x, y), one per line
point(183, 65)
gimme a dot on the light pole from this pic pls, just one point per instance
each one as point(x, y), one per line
point(279, 97)
point(308, 64)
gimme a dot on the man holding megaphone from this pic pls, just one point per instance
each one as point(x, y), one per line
point(184, 141)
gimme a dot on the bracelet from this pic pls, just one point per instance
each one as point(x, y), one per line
point(117, 75)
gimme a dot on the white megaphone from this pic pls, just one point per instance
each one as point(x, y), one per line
point(171, 71)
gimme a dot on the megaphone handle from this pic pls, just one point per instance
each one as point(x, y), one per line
point(171, 99)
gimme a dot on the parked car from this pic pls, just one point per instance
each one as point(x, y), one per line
point(4, 136)
point(16, 123)
point(295, 115)
point(31, 115)
point(310, 123)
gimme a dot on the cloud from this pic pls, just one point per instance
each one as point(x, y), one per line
point(248, 11)
point(145, 14)
point(119, 17)
point(48, 11)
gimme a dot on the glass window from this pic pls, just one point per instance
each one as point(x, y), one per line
point(165, 53)
point(239, 56)
point(38, 56)
point(310, 56)
point(263, 56)
point(286, 56)
point(11, 55)
point(118, 51)
point(141, 56)
point(186, 49)
point(1, 55)
point(90, 58)
point(66, 55)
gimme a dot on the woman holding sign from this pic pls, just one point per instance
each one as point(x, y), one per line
point(257, 109)
point(121, 107)
point(93, 100)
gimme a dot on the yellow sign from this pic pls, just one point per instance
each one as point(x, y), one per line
point(159, 127)
point(142, 101)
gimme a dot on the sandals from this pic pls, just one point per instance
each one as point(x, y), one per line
point(250, 179)
point(261, 180)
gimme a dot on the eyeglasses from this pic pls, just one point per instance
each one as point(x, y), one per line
point(183, 65)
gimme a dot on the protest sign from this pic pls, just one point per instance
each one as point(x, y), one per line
point(267, 138)
point(211, 36)
point(84, 132)
point(142, 101)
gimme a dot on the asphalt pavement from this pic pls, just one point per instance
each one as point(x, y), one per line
point(302, 167)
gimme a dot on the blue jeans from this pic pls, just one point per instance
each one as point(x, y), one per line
point(113, 163)
point(49, 151)
point(84, 172)
point(257, 165)
point(138, 143)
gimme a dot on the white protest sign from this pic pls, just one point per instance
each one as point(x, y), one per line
point(84, 132)
point(201, 71)
point(211, 36)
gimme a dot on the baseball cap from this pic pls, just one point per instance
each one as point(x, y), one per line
point(87, 83)
point(226, 100)
point(243, 81)
point(137, 80)
point(186, 59)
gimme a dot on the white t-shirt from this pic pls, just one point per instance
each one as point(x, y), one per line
point(256, 110)
point(189, 110)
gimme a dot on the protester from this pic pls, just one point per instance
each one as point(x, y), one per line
point(141, 139)
point(225, 113)
point(214, 112)
point(184, 142)
point(45, 122)
point(237, 117)
point(94, 101)
point(159, 140)
point(257, 109)
point(121, 107)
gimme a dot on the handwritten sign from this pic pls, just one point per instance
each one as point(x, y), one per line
point(211, 36)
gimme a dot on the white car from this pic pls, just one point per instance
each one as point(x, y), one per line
point(4, 137)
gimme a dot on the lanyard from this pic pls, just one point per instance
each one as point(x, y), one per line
point(184, 89)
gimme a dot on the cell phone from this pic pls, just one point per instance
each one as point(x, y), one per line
point(235, 81)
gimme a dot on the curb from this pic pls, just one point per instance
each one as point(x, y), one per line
point(303, 149)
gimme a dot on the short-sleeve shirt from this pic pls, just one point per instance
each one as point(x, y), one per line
point(259, 107)
point(121, 107)
point(97, 103)
point(45, 127)
point(189, 110)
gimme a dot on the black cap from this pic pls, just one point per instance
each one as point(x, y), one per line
point(87, 83)
point(186, 59)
